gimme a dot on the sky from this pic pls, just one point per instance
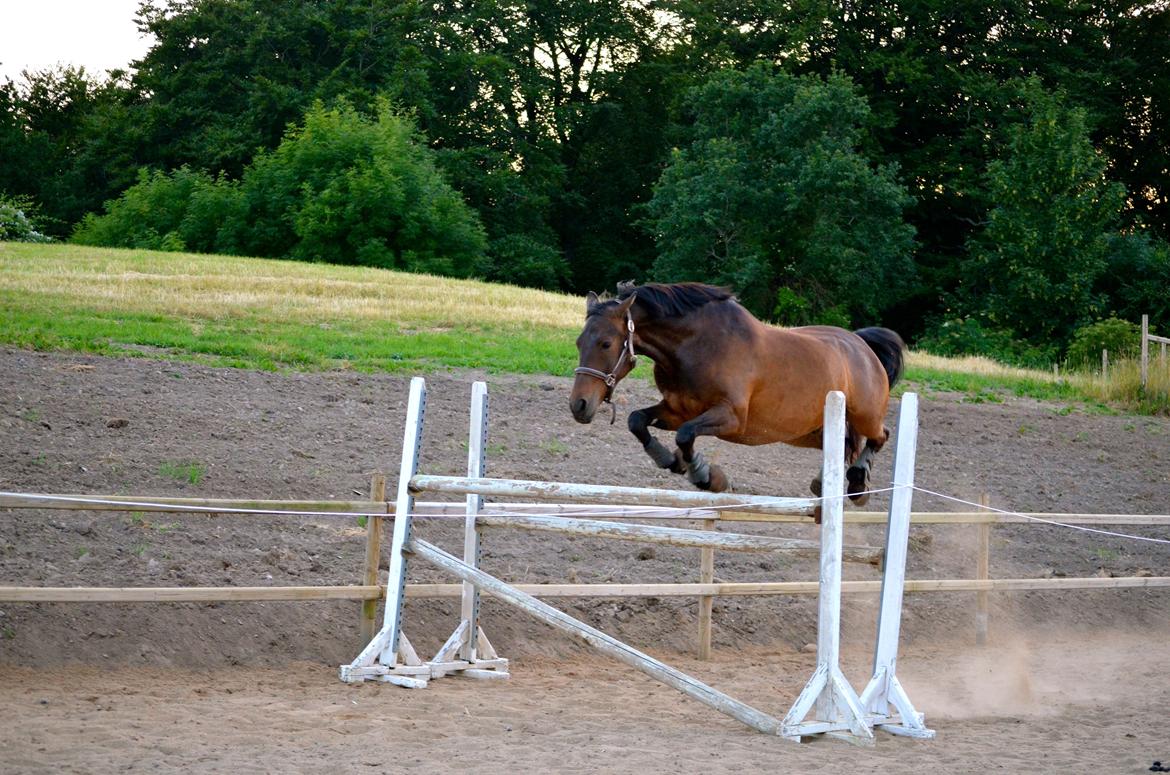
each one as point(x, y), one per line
point(37, 34)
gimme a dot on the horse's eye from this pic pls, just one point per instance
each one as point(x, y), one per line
point(606, 345)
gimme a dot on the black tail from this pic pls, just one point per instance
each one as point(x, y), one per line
point(889, 348)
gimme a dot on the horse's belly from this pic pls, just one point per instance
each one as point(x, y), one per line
point(759, 436)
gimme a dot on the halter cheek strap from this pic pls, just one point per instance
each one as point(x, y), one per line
point(611, 378)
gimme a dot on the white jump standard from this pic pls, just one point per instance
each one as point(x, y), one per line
point(836, 708)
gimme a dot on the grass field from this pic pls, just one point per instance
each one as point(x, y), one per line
point(267, 314)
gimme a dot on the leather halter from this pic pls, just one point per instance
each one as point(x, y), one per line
point(611, 378)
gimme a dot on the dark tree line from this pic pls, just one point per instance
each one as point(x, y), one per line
point(982, 176)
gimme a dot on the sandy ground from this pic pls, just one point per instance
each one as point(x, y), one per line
point(1072, 682)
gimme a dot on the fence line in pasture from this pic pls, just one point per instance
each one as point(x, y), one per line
point(378, 510)
point(1147, 337)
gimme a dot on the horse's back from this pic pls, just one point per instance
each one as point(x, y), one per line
point(799, 366)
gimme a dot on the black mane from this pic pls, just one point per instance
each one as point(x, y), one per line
point(662, 300)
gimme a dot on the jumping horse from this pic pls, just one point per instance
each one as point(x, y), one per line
point(723, 373)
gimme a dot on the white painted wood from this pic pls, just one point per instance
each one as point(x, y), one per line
point(832, 533)
point(734, 542)
point(834, 703)
point(607, 495)
point(403, 506)
point(485, 675)
point(486, 650)
point(384, 646)
point(883, 689)
point(476, 443)
point(454, 643)
point(404, 681)
point(599, 640)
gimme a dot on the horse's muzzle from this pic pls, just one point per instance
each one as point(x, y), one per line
point(582, 411)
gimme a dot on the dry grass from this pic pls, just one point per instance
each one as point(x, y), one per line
point(217, 287)
point(1124, 386)
point(978, 365)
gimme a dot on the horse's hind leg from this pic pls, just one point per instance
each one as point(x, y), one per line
point(858, 474)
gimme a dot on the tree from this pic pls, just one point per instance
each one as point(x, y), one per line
point(773, 198)
point(341, 188)
point(1034, 268)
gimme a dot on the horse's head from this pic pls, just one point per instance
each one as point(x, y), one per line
point(606, 348)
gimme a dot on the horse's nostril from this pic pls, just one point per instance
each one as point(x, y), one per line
point(579, 406)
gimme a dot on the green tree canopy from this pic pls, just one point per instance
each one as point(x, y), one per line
point(773, 197)
point(1034, 268)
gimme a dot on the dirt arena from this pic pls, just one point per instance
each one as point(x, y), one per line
point(1072, 681)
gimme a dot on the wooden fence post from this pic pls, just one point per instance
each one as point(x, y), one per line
point(1145, 350)
point(983, 572)
point(1105, 364)
point(706, 602)
point(373, 557)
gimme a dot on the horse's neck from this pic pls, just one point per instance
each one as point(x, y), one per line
point(659, 340)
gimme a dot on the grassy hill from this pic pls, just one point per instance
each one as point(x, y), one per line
point(269, 314)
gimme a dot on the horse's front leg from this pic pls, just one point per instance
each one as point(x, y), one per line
point(639, 422)
point(713, 422)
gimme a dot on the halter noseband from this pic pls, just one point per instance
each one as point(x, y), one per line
point(611, 378)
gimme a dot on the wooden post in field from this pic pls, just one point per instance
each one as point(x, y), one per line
point(373, 557)
point(706, 602)
point(983, 572)
point(1145, 350)
point(1105, 364)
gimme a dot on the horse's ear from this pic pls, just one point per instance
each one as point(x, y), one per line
point(590, 300)
point(624, 307)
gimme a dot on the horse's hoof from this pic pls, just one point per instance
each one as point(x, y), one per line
point(718, 481)
point(816, 515)
point(815, 487)
point(678, 466)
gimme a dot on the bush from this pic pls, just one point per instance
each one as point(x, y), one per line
point(162, 211)
point(18, 220)
point(1120, 337)
point(343, 188)
point(959, 336)
point(348, 189)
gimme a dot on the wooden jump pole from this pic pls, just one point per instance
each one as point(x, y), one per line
point(674, 536)
point(476, 442)
point(389, 656)
point(983, 572)
point(369, 624)
point(597, 639)
point(608, 495)
point(468, 650)
point(11, 594)
point(836, 708)
point(1145, 350)
point(884, 691)
point(706, 602)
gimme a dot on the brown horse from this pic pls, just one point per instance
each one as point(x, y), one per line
point(723, 373)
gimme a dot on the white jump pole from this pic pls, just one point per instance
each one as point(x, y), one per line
point(597, 639)
point(884, 690)
point(389, 656)
point(837, 710)
point(468, 652)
